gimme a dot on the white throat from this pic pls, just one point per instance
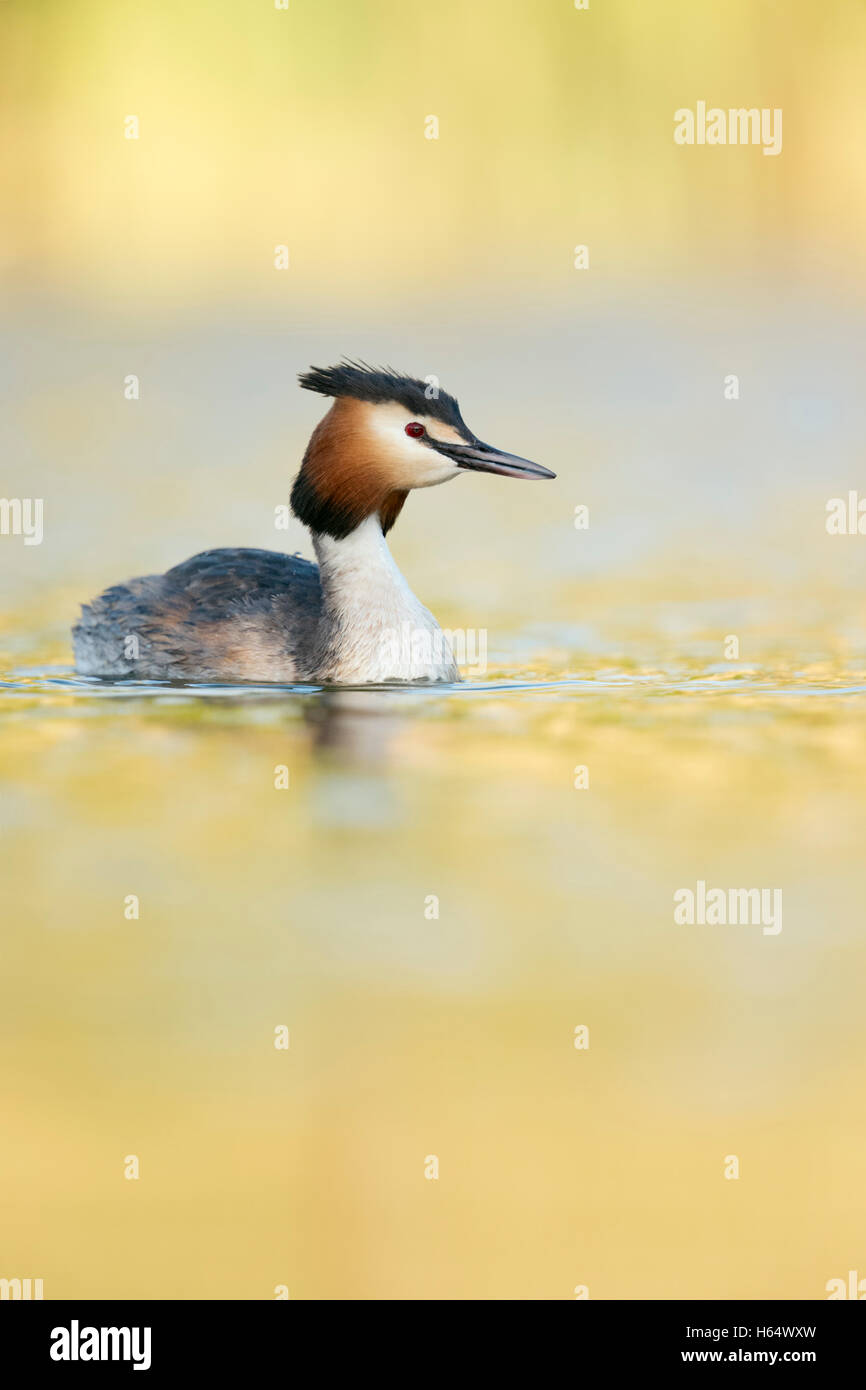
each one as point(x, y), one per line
point(377, 630)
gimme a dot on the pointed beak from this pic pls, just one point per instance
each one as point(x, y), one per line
point(484, 458)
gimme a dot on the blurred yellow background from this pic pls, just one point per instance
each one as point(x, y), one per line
point(306, 126)
point(451, 1036)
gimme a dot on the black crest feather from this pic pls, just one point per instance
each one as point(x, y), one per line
point(380, 384)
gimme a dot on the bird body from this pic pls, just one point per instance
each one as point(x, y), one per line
point(256, 615)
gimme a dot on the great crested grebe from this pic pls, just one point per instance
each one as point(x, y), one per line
point(259, 615)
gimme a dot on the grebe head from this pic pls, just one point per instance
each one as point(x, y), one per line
point(384, 435)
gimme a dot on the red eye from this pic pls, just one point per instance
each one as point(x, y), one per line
point(415, 429)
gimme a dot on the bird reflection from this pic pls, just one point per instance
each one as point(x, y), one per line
point(353, 733)
point(356, 725)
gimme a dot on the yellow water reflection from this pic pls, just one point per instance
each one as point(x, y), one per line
point(413, 1035)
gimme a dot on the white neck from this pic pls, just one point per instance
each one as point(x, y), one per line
point(376, 628)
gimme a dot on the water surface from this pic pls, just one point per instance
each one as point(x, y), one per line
point(432, 907)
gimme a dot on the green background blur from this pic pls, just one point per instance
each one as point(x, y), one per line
point(409, 1036)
